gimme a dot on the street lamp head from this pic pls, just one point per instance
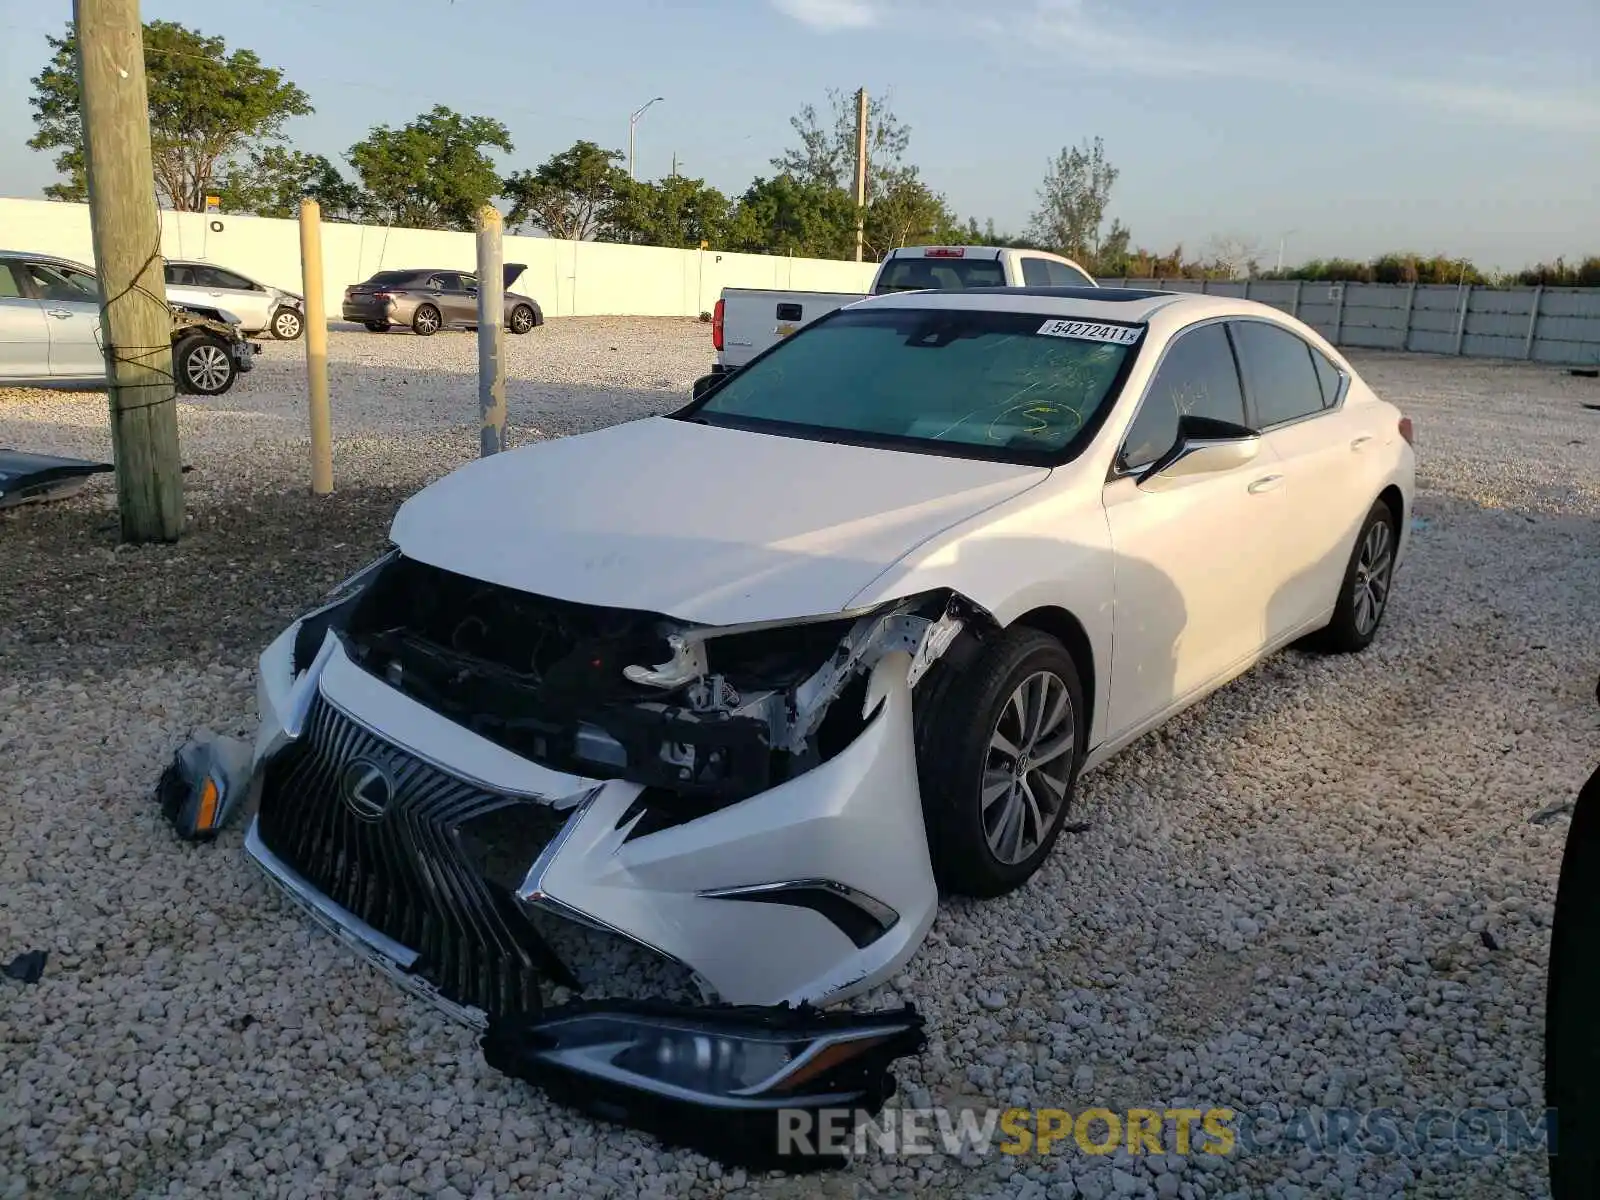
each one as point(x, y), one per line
point(644, 106)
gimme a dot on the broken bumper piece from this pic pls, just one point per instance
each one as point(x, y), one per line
point(740, 1085)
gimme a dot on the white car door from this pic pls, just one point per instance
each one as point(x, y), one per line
point(1294, 397)
point(24, 331)
point(71, 301)
point(1194, 561)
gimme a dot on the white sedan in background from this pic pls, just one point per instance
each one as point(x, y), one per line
point(260, 307)
point(750, 683)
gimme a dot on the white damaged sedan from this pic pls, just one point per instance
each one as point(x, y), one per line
point(751, 683)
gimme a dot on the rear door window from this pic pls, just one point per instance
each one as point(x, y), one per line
point(227, 279)
point(10, 287)
point(1279, 375)
point(1197, 377)
point(1036, 272)
point(1061, 275)
point(61, 283)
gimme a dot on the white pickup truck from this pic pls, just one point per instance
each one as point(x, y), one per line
point(748, 320)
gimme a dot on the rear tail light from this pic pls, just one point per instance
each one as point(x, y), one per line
point(945, 252)
point(716, 325)
point(1406, 431)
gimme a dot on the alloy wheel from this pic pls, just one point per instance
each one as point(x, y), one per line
point(207, 367)
point(1028, 767)
point(521, 320)
point(426, 321)
point(286, 325)
point(1374, 568)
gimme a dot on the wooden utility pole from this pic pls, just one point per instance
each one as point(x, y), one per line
point(491, 333)
point(135, 322)
point(861, 171)
point(316, 338)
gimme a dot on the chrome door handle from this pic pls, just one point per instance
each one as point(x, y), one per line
point(1361, 441)
point(59, 314)
point(1265, 484)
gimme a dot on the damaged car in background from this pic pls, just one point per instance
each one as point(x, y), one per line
point(747, 686)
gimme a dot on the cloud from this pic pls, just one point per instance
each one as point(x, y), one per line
point(1098, 42)
point(1093, 37)
point(829, 16)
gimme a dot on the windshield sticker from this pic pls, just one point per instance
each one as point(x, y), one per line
point(1091, 331)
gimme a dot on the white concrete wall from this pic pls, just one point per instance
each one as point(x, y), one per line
point(566, 278)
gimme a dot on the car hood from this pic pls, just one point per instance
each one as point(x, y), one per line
point(511, 272)
point(709, 525)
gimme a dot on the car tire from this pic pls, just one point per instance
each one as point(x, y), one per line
point(287, 324)
point(1365, 589)
point(983, 842)
point(425, 321)
point(521, 320)
point(376, 326)
point(203, 365)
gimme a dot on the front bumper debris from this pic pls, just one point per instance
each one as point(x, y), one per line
point(728, 1082)
point(443, 849)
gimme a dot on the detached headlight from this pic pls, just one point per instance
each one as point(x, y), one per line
point(333, 607)
point(713, 1079)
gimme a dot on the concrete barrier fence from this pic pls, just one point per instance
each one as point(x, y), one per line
point(1560, 326)
point(566, 278)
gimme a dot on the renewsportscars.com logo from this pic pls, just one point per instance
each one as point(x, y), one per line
point(1216, 1132)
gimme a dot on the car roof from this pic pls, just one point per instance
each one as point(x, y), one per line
point(1135, 305)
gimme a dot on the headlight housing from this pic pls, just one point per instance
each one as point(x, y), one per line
point(718, 1080)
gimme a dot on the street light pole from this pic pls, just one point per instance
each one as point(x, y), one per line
point(1282, 238)
point(633, 121)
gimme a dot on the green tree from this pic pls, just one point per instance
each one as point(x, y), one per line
point(908, 213)
point(1113, 257)
point(826, 153)
point(208, 110)
point(1073, 200)
point(676, 211)
point(435, 172)
point(274, 180)
point(783, 215)
point(570, 195)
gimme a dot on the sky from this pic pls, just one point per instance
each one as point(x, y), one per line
point(1468, 127)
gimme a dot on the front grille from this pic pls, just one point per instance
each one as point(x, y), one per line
point(416, 853)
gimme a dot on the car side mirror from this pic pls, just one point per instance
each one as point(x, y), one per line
point(1203, 447)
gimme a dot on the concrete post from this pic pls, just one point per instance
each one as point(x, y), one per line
point(491, 334)
point(1461, 317)
point(316, 338)
point(1533, 321)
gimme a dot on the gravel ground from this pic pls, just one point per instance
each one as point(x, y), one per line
point(1321, 887)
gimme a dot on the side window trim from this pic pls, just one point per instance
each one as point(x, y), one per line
point(1118, 471)
point(1249, 399)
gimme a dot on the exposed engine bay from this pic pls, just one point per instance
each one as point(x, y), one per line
point(704, 712)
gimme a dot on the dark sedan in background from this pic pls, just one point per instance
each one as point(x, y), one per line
point(430, 300)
